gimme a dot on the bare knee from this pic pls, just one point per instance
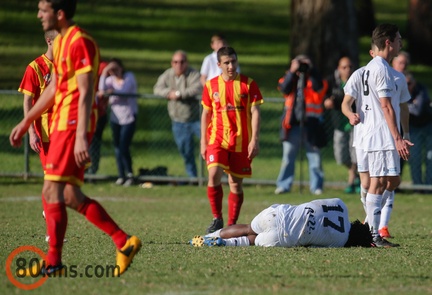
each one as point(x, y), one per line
point(53, 191)
point(235, 184)
point(73, 196)
point(393, 182)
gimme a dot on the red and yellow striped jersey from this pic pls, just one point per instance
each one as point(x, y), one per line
point(230, 103)
point(75, 53)
point(36, 78)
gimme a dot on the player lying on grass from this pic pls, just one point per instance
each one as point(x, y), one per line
point(319, 223)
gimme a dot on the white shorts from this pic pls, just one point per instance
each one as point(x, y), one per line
point(264, 224)
point(362, 160)
point(384, 163)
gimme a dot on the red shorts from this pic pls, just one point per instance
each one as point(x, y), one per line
point(236, 164)
point(43, 153)
point(60, 161)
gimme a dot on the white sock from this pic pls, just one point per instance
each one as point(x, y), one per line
point(373, 209)
point(239, 241)
point(215, 234)
point(387, 208)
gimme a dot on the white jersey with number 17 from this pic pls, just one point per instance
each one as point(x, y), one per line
point(319, 223)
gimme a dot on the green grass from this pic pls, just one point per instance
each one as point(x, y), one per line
point(166, 217)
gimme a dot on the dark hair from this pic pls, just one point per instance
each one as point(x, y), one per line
point(382, 33)
point(359, 235)
point(225, 51)
point(119, 62)
point(68, 7)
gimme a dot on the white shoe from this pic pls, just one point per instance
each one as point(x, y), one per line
point(318, 192)
point(119, 181)
point(215, 234)
point(128, 182)
point(279, 191)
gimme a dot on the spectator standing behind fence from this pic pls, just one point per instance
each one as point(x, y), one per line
point(303, 90)
point(209, 67)
point(420, 122)
point(343, 150)
point(121, 87)
point(36, 78)
point(76, 60)
point(95, 146)
point(181, 85)
point(230, 125)
point(401, 62)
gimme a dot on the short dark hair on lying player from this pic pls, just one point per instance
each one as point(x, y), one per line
point(359, 235)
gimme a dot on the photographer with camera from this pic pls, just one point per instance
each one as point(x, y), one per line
point(301, 124)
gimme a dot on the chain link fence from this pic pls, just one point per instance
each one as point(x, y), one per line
point(155, 155)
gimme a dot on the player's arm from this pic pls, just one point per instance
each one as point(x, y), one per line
point(404, 117)
point(85, 88)
point(390, 118)
point(253, 147)
point(45, 101)
point(203, 79)
point(34, 140)
point(205, 121)
point(346, 108)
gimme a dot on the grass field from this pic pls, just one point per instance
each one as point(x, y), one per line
point(144, 33)
point(166, 217)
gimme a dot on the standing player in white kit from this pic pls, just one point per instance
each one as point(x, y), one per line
point(380, 137)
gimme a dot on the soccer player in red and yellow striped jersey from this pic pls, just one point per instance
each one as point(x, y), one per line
point(71, 93)
point(36, 78)
point(230, 125)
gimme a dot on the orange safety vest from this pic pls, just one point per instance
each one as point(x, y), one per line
point(313, 102)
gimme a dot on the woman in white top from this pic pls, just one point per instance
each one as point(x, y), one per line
point(121, 87)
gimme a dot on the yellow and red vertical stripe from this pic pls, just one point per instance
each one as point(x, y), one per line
point(74, 53)
point(36, 78)
point(230, 103)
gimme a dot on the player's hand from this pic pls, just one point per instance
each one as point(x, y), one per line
point(403, 148)
point(253, 149)
point(35, 142)
point(354, 119)
point(203, 150)
point(409, 144)
point(17, 133)
point(82, 156)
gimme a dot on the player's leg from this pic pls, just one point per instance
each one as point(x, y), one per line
point(378, 183)
point(239, 168)
point(383, 167)
point(363, 170)
point(217, 161)
point(235, 198)
point(393, 181)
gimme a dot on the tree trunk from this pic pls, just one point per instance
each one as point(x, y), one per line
point(325, 30)
point(420, 31)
